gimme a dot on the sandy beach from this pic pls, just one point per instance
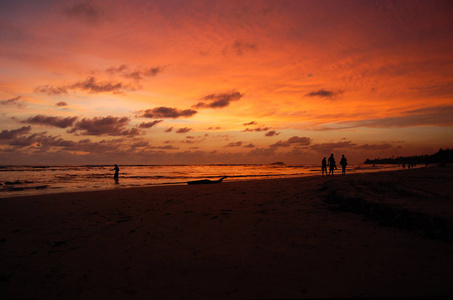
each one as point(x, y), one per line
point(384, 234)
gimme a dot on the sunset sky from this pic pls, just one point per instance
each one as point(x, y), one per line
point(190, 82)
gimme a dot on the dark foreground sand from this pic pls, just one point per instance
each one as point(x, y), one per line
point(288, 238)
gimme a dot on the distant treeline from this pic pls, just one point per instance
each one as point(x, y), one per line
point(441, 157)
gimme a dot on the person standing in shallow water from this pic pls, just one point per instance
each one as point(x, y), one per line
point(117, 171)
point(332, 164)
point(343, 163)
point(324, 166)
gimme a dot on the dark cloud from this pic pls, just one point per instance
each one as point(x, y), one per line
point(99, 126)
point(234, 144)
point(167, 147)
point(249, 146)
point(250, 123)
point(135, 74)
point(280, 144)
point(257, 152)
point(293, 141)
point(12, 134)
point(215, 128)
point(259, 129)
point(149, 124)
point(139, 144)
point(300, 140)
point(84, 11)
point(324, 94)
point(13, 101)
point(61, 103)
point(183, 130)
point(90, 85)
point(272, 133)
point(41, 141)
point(119, 69)
point(51, 90)
point(51, 121)
point(218, 100)
point(167, 113)
point(170, 129)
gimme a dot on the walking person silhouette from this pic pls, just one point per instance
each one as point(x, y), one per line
point(343, 163)
point(332, 164)
point(324, 166)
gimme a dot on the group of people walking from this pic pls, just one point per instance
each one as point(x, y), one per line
point(332, 165)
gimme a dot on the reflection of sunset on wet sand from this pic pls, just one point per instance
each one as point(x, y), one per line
point(165, 82)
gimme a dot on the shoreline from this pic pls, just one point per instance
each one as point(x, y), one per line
point(55, 191)
point(270, 238)
point(82, 179)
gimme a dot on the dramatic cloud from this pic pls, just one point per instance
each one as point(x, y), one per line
point(12, 134)
point(167, 113)
point(218, 100)
point(90, 85)
point(61, 104)
point(104, 126)
point(250, 123)
point(146, 125)
point(51, 121)
point(272, 133)
point(183, 130)
point(13, 101)
point(84, 11)
point(249, 146)
point(135, 74)
point(293, 141)
point(324, 94)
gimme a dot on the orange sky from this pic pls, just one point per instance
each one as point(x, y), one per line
point(182, 82)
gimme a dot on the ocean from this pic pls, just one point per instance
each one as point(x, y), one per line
point(35, 180)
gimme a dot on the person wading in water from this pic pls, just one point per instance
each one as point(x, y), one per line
point(117, 171)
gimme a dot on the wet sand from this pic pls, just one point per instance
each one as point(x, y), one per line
point(312, 237)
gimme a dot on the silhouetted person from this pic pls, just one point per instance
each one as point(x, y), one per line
point(117, 171)
point(332, 164)
point(343, 163)
point(324, 166)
